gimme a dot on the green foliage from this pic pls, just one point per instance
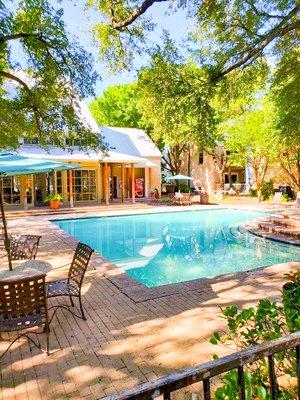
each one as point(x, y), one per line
point(285, 198)
point(176, 103)
point(252, 139)
point(285, 91)
point(252, 192)
point(43, 73)
point(224, 37)
point(291, 301)
point(184, 188)
point(118, 106)
point(53, 197)
point(255, 325)
point(267, 189)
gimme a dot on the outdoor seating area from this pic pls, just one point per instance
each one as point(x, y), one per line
point(122, 342)
point(24, 293)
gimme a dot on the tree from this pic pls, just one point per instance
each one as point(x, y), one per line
point(118, 106)
point(239, 32)
point(175, 105)
point(252, 139)
point(285, 92)
point(289, 158)
point(43, 74)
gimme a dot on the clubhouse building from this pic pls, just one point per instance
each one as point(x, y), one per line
point(131, 169)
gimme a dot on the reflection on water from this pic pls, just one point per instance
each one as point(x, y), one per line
point(158, 249)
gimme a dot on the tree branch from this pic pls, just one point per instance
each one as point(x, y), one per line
point(262, 13)
point(35, 110)
point(119, 25)
point(279, 30)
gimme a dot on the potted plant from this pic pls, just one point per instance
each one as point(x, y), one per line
point(154, 194)
point(53, 200)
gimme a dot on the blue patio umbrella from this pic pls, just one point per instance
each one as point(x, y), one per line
point(13, 164)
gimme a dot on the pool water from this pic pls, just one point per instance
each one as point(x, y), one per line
point(164, 248)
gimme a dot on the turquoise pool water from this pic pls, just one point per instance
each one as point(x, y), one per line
point(165, 248)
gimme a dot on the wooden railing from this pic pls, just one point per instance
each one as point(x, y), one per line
point(204, 372)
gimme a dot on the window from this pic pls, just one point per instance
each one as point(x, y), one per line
point(201, 157)
point(34, 140)
point(84, 185)
point(234, 178)
point(11, 190)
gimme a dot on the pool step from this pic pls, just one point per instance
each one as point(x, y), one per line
point(292, 230)
point(283, 221)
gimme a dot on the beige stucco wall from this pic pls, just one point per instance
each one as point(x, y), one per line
point(206, 175)
point(155, 174)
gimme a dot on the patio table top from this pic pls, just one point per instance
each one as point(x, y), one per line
point(29, 268)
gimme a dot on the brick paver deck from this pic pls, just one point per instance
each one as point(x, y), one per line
point(123, 342)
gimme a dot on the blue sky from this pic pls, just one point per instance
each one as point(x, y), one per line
point(80, 21)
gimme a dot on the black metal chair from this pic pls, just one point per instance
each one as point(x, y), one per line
point(25, 247)
point(71, 286)
point(23, 306)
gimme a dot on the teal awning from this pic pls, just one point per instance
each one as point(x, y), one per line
point(13, 164)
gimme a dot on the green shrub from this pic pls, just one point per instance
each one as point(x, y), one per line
point(267, 189)
point(53, 197)
point(252, 192)
point(291, 300)
point(184, 187)
point(285, 198)
point(255, 325)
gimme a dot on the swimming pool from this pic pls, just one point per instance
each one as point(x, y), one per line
point(164, 248)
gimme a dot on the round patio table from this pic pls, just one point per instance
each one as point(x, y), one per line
point(29, 268)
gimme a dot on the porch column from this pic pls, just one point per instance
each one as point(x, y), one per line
point(98, 183)
point(64, 182)
point(32, 190)
point(111, 181)
point(23, 192)
point(106, 183)
point(132, 184)
point(71, 188)
point(123, 183)
point(55, 182)
point(147, 171)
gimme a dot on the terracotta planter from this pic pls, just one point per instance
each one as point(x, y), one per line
point(204, 198)
point(54, 204)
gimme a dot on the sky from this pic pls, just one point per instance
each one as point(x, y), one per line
point(80, 21)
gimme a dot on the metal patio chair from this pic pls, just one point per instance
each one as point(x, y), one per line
point(71, 286)
point(25, 247)
point(23, 306)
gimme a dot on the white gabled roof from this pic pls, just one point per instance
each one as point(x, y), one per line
point(126, 145)
point(130, 141)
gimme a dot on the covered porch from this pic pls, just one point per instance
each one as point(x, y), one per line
point(94, 183)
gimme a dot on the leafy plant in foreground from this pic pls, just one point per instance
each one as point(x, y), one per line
point(255, 325)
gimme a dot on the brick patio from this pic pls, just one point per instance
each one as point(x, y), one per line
point(123, 342)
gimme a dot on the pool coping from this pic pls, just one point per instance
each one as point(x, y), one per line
point(138, 292)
